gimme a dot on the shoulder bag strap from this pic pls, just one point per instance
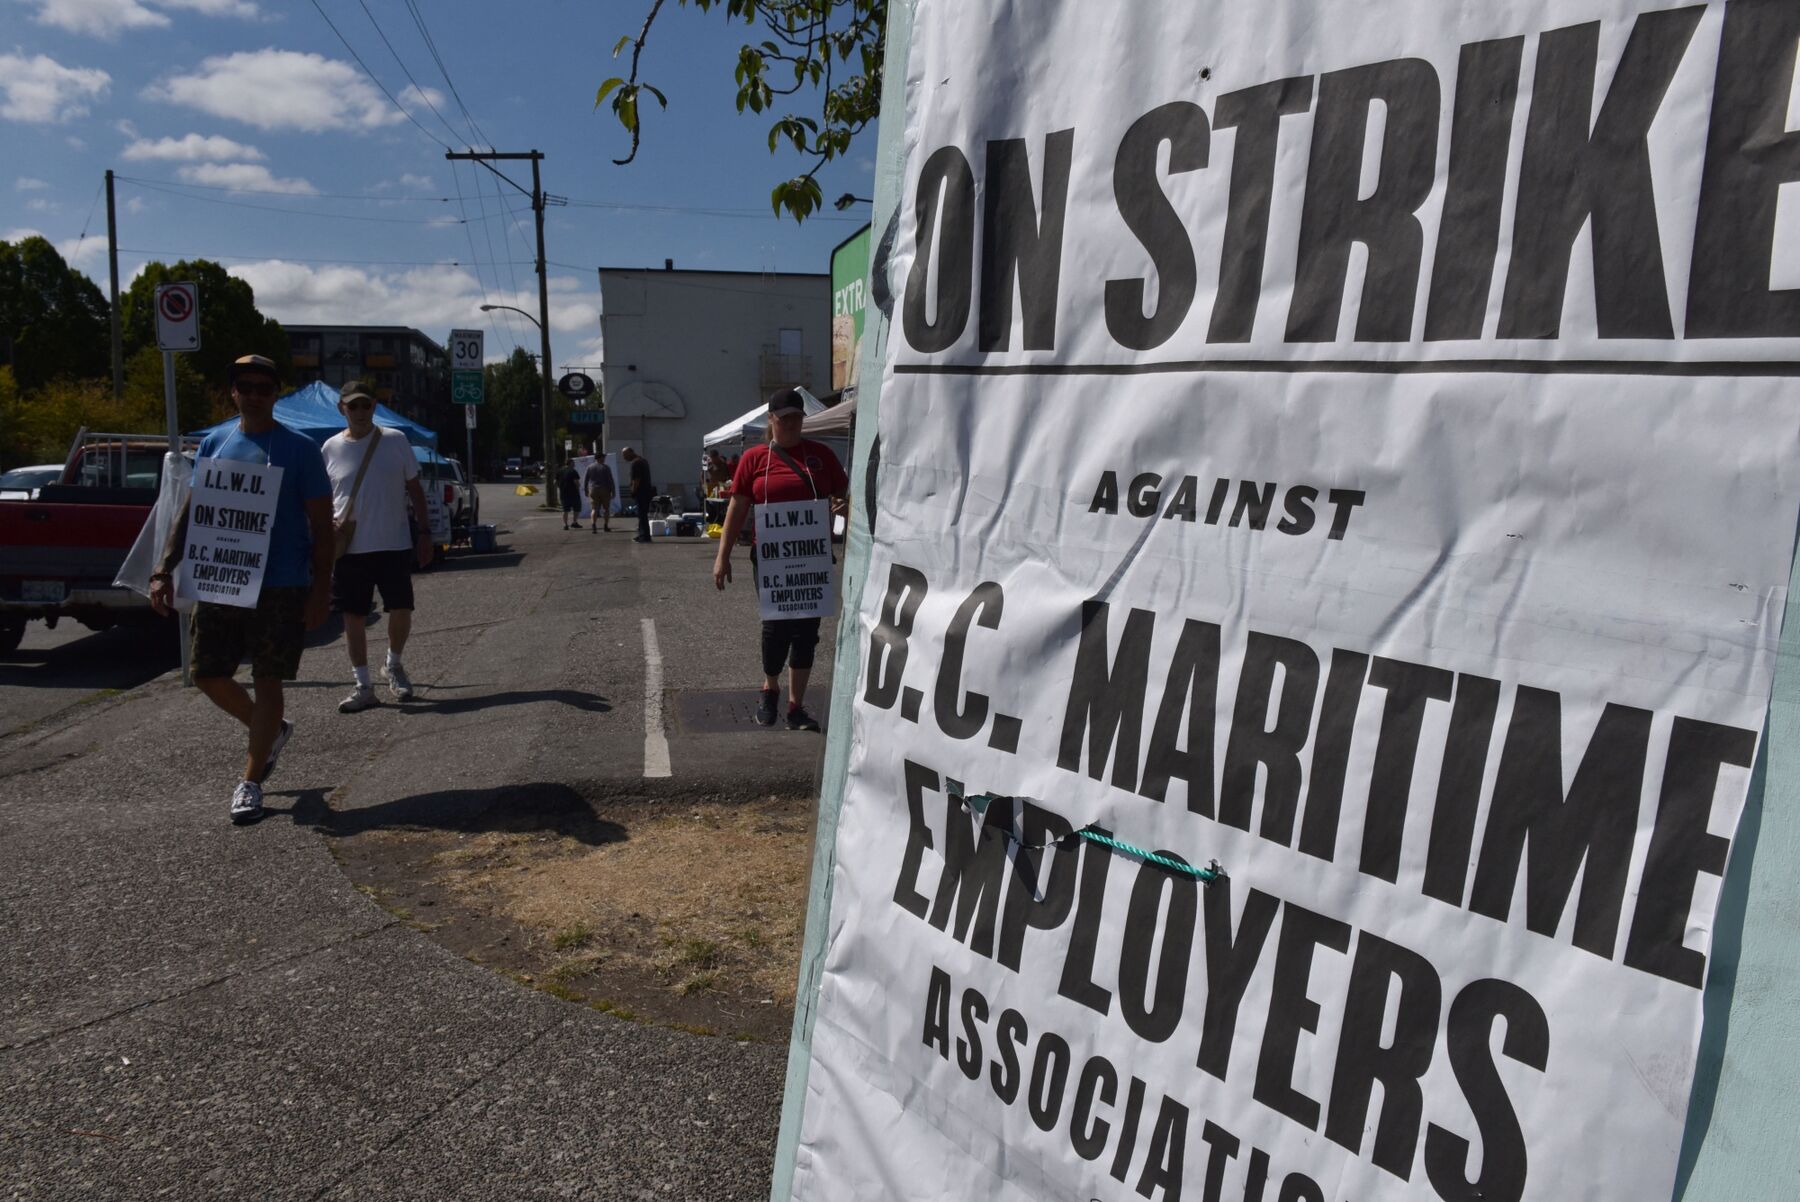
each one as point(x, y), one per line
point(362, 470)
point(776, 449)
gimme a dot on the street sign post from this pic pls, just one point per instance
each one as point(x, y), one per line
point(177, 330)
point(178, 317)
point(467, 386)
point(469, 416)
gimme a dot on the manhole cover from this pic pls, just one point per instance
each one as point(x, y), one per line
point(716, 711)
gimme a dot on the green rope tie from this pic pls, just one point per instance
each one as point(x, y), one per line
point(978, 804)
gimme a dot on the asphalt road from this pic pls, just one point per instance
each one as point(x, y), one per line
point(194, 1010)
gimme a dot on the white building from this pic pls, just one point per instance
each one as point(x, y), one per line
point(687, 351)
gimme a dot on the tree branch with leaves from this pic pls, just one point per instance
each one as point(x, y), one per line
point(828, 48)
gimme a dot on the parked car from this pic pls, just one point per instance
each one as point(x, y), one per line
point(60, 551)
point(515, 470)
point(23, 483)
point(445, 483)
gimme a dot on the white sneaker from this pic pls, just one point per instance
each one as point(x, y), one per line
point(397, 681)
point(281, 737)
point(246, 802)
point(362, 697)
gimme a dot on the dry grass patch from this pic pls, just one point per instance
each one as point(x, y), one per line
point(707, 899)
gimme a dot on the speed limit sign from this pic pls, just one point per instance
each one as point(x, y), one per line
point(465, 350)
point(467, 386)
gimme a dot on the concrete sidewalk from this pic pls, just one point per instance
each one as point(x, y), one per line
point(192, 1010)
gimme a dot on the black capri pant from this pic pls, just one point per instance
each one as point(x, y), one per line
point(789, 641)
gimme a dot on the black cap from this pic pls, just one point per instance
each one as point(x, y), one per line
point(786, 399)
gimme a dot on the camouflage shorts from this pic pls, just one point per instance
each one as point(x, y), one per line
point(271, 636)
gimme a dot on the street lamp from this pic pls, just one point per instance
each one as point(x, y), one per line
point(550, 498)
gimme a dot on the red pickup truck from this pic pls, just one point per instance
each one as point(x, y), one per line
point(60, 553)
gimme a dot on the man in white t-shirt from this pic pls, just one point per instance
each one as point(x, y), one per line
point(382, 546)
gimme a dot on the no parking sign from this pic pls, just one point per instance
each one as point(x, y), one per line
point(178, 317)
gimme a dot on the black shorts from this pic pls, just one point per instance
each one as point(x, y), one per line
point(356, 577)
point(571, 500)
point(271, 635)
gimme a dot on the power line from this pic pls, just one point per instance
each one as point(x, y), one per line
point(373, 79)
point(365, 196)
point(431, 46)
point(246, 204)
point(423, 94)
point(267, 257)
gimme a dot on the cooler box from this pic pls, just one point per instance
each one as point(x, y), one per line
point(659, 527)
point(481, 539)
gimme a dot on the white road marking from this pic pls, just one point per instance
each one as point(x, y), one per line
point(656, 744)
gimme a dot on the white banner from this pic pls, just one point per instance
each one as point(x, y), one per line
point(794, 559)
point(230, 516)
point(1355, 445)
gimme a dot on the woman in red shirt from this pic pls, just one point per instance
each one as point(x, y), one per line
point(787, 468)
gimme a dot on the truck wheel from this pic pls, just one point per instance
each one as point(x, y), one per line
point(12, 633)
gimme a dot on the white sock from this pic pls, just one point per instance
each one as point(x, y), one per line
point(393, 661)
point(362, 676)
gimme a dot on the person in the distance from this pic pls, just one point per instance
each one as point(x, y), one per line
point(787, 468)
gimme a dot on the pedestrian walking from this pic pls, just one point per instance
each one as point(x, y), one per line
point(600, 487)
point(568, 486)
point(788, 468)
point(374, 477)
point(296, 582)
point(642, 491)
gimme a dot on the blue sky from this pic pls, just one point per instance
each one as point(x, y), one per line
point(262, 144)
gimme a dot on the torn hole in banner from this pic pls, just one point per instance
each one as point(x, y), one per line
point(1036, 836)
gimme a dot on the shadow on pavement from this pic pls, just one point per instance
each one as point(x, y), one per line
point(472, 561)
point(121, 658)
point(537, 807)
point(309, 808)
point(591, 703)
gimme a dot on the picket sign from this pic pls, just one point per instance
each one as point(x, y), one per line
point(1362, 452)
point(230, 517)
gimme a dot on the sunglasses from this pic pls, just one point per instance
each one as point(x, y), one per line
point(355, 405)
point(250, 388)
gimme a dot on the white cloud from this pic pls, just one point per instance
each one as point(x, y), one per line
point(40, 89)
point(108, 18)
point(102, 18)
point(42, 204)
point(77, 252)
point(135, 205)
point(281, 89)
point(192, 148)
point(75, 143)
point(248, 177)
point(432, 299)
point(26, 184)
point(216, 8)
point(83, 254)
point(409, 180)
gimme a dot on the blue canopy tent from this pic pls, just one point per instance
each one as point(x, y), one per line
point(313, 411)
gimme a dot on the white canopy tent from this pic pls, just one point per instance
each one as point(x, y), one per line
point(753, 426)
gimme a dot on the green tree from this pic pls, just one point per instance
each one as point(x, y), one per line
point(509, 415)
point(230, 323)
point(196, 404)
point(829, 48)
point(54, 317)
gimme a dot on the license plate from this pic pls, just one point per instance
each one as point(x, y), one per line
point(49, 592)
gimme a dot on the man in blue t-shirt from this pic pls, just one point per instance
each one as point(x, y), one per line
point(296, 588)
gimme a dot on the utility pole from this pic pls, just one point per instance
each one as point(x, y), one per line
point(538, 201)
point(112, 255)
